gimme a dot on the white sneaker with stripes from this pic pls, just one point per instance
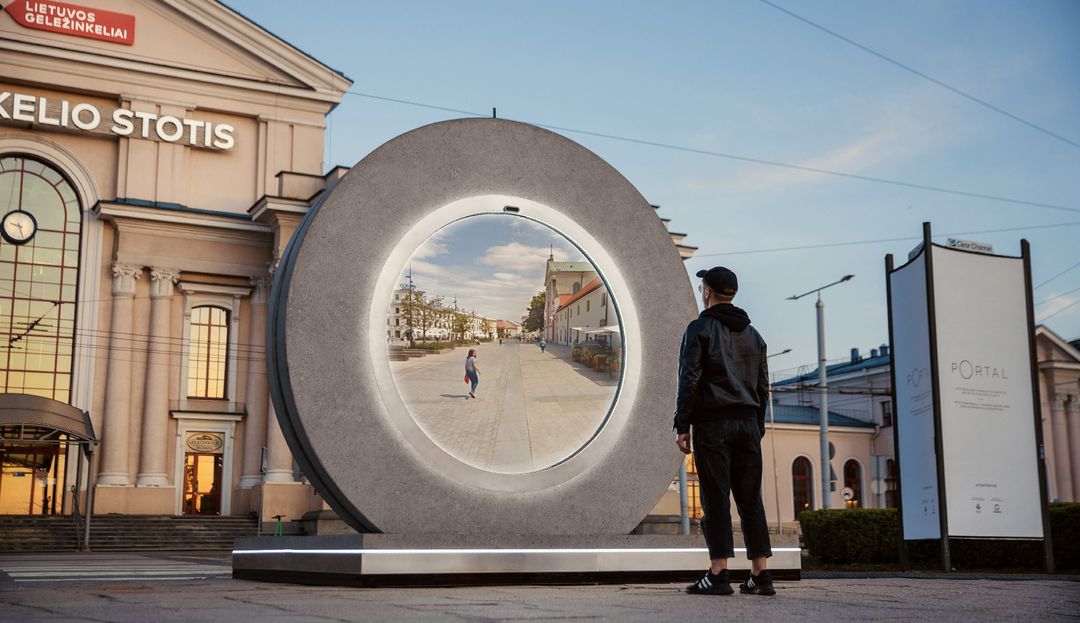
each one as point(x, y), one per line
point(712, 584)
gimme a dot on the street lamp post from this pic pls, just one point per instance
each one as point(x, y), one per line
point(823, 388)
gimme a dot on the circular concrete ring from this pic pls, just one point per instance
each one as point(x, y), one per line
point(330, 377)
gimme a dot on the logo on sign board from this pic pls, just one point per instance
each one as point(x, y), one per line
point(74, 20)
point(916, 376)
point(968, 370)
point(205, 442)
point(969, 245)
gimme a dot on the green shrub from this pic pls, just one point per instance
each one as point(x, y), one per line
point(1065, 529)
point(870, 536)
point(851, 535)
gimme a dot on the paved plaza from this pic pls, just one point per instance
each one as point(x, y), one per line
point(163, 587)
point(531, 410)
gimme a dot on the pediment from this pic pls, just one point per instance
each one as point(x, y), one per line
point(1053, 348)
point(201, 37)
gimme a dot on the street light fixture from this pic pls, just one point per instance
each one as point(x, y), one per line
point(823, 391)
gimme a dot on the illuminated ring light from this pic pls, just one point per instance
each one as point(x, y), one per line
point(330, 377)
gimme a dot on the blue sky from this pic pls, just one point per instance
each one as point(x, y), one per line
point(490, 264)
point(740, 77)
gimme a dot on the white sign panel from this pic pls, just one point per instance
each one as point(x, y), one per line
point(987, 419)
point(914, 401)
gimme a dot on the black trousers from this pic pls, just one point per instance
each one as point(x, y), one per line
point(727, 453)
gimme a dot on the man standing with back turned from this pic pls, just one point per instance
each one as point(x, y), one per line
point(723, 394)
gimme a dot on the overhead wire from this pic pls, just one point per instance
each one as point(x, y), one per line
point(1056, 297)
point(924, 76)
point(1073, 267)
point(827, 245)
point(1069, 306)
point(740, 158)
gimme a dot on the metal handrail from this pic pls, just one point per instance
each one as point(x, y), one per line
point(76, 516)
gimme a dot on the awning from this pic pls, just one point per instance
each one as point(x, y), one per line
point(604, 330)
point(27, 419)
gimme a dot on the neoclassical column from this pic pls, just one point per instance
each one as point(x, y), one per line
point(1072, 414)
point(114, 451)
point(1062, 461)
point(156, 392)
point(281, 464)
point(255, 394)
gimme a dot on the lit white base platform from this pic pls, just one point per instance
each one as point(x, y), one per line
point(382, 559)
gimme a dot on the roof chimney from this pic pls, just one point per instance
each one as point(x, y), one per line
point(855, 355)
point(884, 350)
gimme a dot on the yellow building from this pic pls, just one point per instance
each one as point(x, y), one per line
point(164, 151)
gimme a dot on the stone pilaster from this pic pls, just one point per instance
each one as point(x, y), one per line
point(256, 398)
point(156, 393)
point(281, 463)
point(114, 451)
point(1063, 464)
point(280, 459)
point(1072, 425)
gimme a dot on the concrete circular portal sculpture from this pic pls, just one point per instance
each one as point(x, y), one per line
point(330, 379)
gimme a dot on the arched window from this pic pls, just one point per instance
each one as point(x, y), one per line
point(802, 479)
point(853, 481)
point(892, 491)
point(209, 347)
point(38, 279)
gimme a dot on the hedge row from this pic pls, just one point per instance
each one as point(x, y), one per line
point(870, 536)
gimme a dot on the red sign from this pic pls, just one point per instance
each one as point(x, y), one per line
point(70, 19)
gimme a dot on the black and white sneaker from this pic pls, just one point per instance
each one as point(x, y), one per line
point(760, 584)
point(711, 584)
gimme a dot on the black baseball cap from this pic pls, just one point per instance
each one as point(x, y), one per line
point(720, 280)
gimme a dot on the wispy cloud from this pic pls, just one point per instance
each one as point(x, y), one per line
point(498, 283)
point(1059, 304)
point(898, 134)
point(492, 265)
point(516, 257)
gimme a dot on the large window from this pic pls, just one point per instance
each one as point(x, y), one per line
point(891, 490)
point(38, 281)
point(209, 348)
point(802, 485)
point(853, 481)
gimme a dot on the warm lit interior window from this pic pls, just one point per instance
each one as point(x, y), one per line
point(208, 353)
point(38, 281)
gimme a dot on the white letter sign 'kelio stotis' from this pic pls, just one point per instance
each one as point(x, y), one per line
point(966, 401)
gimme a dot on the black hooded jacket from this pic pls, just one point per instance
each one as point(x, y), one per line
point(722, 369)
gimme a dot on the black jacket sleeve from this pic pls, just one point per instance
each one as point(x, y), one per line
point(691, 354)
point(763, 388)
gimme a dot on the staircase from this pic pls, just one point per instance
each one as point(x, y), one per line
point(124, 533)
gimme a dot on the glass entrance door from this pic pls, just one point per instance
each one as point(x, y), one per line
point(202, 483)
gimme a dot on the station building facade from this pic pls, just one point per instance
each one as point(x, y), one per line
point(164, 151)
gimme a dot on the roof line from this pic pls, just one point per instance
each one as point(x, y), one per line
point(269, 32)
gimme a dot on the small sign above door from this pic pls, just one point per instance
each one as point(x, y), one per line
point(207, 443)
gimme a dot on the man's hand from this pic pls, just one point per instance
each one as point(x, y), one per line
point(682, 440)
